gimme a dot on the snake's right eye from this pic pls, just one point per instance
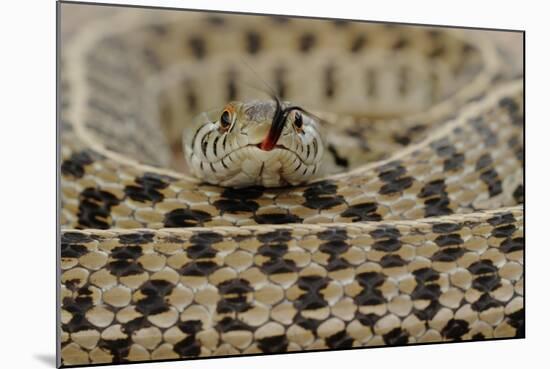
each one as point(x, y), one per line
point(225, 120)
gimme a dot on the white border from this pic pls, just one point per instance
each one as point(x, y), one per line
point(27, 151)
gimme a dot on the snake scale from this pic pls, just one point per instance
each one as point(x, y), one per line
point(417, 237)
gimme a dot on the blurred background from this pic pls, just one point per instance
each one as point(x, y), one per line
point(74, 16)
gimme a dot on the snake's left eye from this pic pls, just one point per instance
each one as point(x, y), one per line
point(298, 120)
point(225, 120)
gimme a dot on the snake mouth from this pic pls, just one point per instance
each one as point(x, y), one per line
point(278, 146)
point(268, 147)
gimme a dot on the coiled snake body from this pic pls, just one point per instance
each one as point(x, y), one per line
point(417, 236)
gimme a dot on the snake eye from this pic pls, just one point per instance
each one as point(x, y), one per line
point(225, 120)
point(298, 121)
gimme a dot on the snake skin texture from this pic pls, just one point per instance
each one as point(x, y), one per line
point(419, 238)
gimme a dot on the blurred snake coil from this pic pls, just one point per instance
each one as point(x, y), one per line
point(421, 240)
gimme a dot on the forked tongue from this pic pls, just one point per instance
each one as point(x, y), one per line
point(275, 130)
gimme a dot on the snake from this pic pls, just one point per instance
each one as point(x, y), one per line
point(246, 184)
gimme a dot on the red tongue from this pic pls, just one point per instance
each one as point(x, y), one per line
point(267, 144)
point(272, 137)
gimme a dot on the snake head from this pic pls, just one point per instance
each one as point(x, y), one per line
point(268, 143)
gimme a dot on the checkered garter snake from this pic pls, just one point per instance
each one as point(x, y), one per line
point(411, 232)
